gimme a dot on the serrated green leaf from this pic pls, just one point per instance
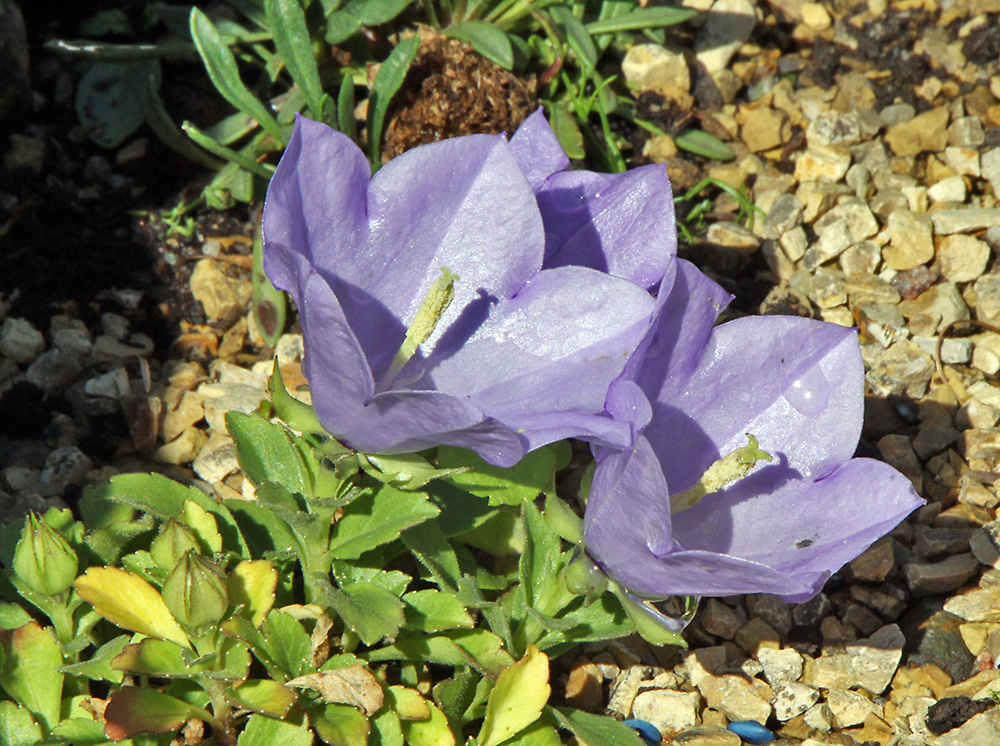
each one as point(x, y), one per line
point(537, 734)
point(265, 696)
point(594, 729)
point(267, 454)
point(501, 535)
point(476, 647)
point(429, 545)
point(432, 730)
point(252, 584)
point(287, 643)
point(531, 476)
point(372, 612)
point(378, 518)
point(291, 38)
point(221, 67)
point(17, 726)
point(388, 731)
point(701, 143)
point(98, 665)
point(541, 565)
point(30, 672)
point(562, 519)
point(388, 79)
point(394, 581)
point(341, 725)
point(261, 730)
point(408, 471)
point(455, 695)
point(518, 697)
point(485, 38)
point(432, 611)
point(164, 498)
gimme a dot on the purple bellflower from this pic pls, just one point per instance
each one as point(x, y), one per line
point(692, 394)
point(427, 316)
point(622, 224)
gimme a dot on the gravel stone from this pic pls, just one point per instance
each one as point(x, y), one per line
point(962, 258)
point(735, 697)
point(950, 189)
point(782, 666)
point(873, 661)
point(911, 243)
point(981, 730)
point(849, 708)
point(20, 341)
point(793, 699)
point(652, 67)
point(990, 169)
point(965, 220)
point(668, 710)
point(926, 132)
point(932, 578)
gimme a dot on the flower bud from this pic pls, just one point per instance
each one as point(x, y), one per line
point(584, 578)
point(170, 545)
point(43, 559)
point(195, 591)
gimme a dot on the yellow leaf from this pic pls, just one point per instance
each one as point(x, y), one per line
point(252, 583)
point(408, 704)
point(130, 602)
point(517, 698)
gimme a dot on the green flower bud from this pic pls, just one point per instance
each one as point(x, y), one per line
point(170, 545)
point(43, 560)
point(584, 578)
point(195, 591)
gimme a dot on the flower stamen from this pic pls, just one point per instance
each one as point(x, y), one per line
point(730, 468)
point(435, 303)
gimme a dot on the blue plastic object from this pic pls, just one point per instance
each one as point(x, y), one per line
point(751, 732)
point(647, 731)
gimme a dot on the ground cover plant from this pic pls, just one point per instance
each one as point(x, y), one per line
point(407, 566)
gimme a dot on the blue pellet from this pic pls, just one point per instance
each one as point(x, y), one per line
point(647, 731)
point(751, 731)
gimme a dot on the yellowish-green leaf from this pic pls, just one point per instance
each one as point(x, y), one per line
point(203, 524)
point(130, 602)
point(252, 583)
point(432, 730)
point(265, 696)
point(407, 703)
point(517, 699)
point(342, 725)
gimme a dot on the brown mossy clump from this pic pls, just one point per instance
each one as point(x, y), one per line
point(452, 90)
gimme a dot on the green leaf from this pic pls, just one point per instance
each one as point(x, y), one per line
point(376, 519)
point(376, 12)
point(98, 665)
point(408, 471)
point(567, 131)
point(485, 38)
point(388, 731)
point(341, 26)
point(251, 584)
point(517, 699)
point(562, 519)
point(429, 545)
point(641, 18)
point(541, 564)
point(264, 731)
point(345, 108)
point(291, 39)
point(455, 695)
point(221, 67)
point(501, 535)
point(432, 611)
point(476, 647)
point(17, 726)
point(164, 498)
point(287, 643)
point(31, 659)
point(341, 725)
point(372, 612)
point(653, 625)
point(134, 710)
point(152, 657)
point(267, 454)
point(430, 730)
point(394, 581)
point(13, 616)
point(265, 696)
point(703, 144)
point(537, 734)
point(594, 729)
point(243, 158)
point(388, 80)
point(110, 100)
point(577, 36)
point(531, 476)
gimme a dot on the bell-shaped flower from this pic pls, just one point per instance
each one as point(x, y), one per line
point(623, 224)
point(427, 316)
point(657, 524)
